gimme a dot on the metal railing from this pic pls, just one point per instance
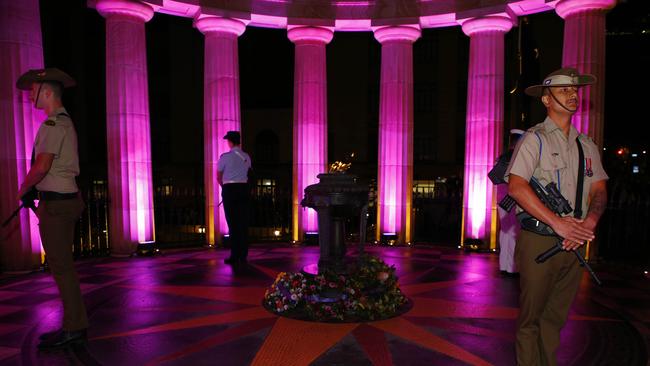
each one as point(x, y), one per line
point(624, 233)
point(624, 229)
point(91, 236)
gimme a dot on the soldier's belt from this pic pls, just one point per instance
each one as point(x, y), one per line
point(56, 196)
point(531, 224)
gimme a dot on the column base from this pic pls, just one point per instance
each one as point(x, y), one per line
point(477, 245)
point(146, 249)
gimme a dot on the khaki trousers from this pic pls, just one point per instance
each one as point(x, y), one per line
point(57, 221)
point(547, 291)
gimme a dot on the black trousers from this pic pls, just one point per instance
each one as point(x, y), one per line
point(56, 220)
point(235, 204)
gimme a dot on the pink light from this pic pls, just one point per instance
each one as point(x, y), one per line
point(127, 125)
point(438, 20)
point(584, 49)
point(221, 109)
point(567, 8)
point(268, 21)
point(353, 24)
point(484, 126)
point(21, 49)
point(309, 119)
point(395, 162)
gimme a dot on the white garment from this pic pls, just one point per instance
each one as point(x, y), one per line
point(509, 229)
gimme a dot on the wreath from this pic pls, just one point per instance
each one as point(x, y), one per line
point(369, 291)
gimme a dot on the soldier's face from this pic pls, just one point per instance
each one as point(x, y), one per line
point(567, 96)
point(37, 95)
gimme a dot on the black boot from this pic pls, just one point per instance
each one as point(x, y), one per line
point(49, 335)
point(64, 339)
point(231, 260)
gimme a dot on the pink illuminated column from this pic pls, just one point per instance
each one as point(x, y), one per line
point(484, 124)
point(584, 49)
point(220, 108)
point(309, 119)
point(395, 160)
point(21, 49)
point(127, 125)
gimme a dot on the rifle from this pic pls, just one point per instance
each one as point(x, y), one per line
point(553, 199)
point(27, 202)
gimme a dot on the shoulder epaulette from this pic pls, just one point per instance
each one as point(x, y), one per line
point(582, 136)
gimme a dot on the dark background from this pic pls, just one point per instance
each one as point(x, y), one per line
point(74, 40)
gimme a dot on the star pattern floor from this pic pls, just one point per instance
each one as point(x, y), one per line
point(188, 308)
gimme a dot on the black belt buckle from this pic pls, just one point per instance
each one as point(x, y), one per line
point(56, 196)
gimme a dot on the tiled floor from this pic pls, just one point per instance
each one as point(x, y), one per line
point(188, 308)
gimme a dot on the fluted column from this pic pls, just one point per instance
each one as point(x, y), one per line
point(127, 125)
point(221, 112)
point(395, 160)
point(584, 49)
point(309, 120)
point(484, 124)
point(21, 49)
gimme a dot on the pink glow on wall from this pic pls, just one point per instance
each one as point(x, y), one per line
point(221, 112)
point(20, 50)
point(127, 125)
point(309, 119)
point(395, 160)
point(484, 123)
point(584, 49)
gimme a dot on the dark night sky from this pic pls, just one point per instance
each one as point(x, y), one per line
point(74, 40)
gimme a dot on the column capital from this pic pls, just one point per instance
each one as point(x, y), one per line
point(408, 33)
point(565, 8)
point(214, 24)
point(130, 8)
point(489, 23)
point(307, 34)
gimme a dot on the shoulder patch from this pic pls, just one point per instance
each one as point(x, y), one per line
point(49, 122)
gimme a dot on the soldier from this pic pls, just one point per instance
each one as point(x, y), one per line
point(232, 175)
point(55, 164)
point(553, 151)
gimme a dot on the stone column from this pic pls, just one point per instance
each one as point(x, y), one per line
point(21, 49)
point(309, 120)
point(395, 161)
point(221, 112)
point(130, 190)
point(584, 49)
point(484, 125)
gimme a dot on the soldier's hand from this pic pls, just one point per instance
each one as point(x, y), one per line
point(569, 245)
point(21, 192)
point(573, 232)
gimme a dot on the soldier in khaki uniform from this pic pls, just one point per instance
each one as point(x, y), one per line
point(549, 152)
point(55, 164)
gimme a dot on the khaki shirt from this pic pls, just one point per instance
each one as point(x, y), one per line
point(57, 136)
point(556, 160)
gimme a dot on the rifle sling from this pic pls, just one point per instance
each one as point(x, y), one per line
point(577, 211)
